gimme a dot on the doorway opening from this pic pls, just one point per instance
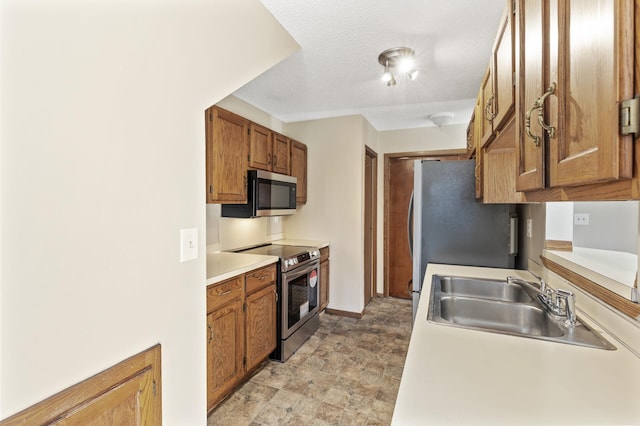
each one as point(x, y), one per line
point(398, 186)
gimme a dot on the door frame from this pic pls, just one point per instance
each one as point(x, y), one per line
point(373, 291)
point(460, 154)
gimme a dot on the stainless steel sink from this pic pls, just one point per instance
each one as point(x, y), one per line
point(483, 288)
point(507, 308)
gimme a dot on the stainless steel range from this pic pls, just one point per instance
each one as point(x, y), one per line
point(298, 296)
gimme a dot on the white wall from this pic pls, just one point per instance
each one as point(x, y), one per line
point(410, 140)
point(559, 221)
point(334, 210)
point(102, 164)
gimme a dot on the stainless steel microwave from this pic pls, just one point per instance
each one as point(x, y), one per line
point(268, 194)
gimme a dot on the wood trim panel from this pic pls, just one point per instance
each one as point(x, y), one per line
point(344, 313)
point(558, 245)
point(136, 379)
point(607, 296)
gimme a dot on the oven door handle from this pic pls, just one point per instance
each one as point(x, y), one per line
point(302, 270)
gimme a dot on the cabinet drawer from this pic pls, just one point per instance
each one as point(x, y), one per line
point(221, 293)
point(260, 278)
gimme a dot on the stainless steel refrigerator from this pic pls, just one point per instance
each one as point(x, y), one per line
point(447, 224)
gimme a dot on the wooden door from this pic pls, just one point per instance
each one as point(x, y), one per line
point(281, 154)
point(370, 240)
point(299, 169)
point(227, 147)
point(400, 268)
point(260, 325)
point(502, 70)
point(260, 147)
point(225, 350)
point(531, 37)
point(593, 69)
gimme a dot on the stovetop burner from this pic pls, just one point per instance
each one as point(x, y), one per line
point(290, 256)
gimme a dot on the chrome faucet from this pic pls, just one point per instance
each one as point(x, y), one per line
point(568, 299)
point(558, 302)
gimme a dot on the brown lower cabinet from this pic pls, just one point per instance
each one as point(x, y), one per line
point(241, 329)
point(324, 277)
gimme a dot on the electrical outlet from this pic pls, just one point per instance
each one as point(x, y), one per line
point(581, 219)
point(530, 228)
point(188, 244)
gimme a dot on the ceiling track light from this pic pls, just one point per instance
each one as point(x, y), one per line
point(398, 59)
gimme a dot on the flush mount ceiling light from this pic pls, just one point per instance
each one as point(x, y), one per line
point(400, 60)
point(441, 118)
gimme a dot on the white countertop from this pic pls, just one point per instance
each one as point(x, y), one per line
point(224, 265)
point(614, 270)
point(304, 243)
point(460, 376)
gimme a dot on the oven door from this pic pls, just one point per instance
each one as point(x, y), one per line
point(299, 296)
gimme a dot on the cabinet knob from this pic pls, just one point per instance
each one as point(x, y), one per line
point(210, 333)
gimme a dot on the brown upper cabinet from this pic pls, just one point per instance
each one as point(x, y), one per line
point(268, 150)
point(299, 169)
point(227, 147)
point(281, 154)
point(497, 89)
point(503, 72)
point(235, 144)
point(575, 66)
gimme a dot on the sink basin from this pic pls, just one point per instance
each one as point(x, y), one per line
point(483, 288)
point(506, 308)
point(499, 316)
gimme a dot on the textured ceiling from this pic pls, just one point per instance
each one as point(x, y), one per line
point(336, 71)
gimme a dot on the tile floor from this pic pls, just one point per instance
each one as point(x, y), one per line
point(347, 373)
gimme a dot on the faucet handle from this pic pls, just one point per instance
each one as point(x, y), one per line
point(569, 299)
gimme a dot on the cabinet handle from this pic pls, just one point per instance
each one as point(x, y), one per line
point(268, 158)
point(210, 333)
point(549, 129)
point(275, 160)
point(223, 293)
point(489, 112)
point(539, 106)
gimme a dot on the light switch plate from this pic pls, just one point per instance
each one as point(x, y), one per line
point(188, 244)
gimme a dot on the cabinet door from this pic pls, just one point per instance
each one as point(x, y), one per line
point(593, 69)
point(486, 90)
point(477, 142)
point(502, 70)
point(260, 148)
point(299, 169)
point(225, 350)
point(281, 154)
point(261, 325)
point(324, 284)
point(227, 146)
point(530, 39)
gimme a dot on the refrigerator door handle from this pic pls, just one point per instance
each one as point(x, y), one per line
point(513, 235)
point(410, 225)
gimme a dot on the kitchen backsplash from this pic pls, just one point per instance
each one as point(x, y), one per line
point(226, 233)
